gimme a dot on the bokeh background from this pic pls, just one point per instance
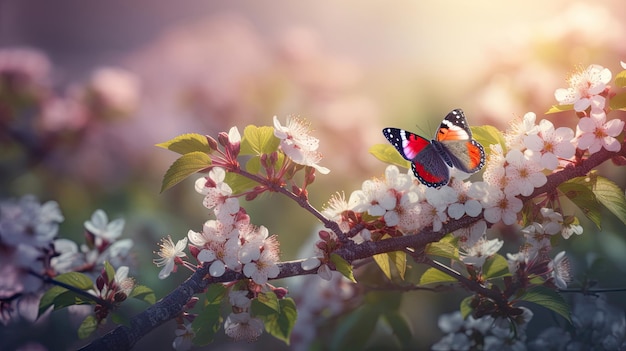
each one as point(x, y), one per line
point(120, 76)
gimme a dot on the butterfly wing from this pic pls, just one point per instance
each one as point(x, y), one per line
point(454, 138)
point(426, 162)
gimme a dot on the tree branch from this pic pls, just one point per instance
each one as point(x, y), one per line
point(125, 337)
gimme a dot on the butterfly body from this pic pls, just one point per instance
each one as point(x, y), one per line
point(431, 160)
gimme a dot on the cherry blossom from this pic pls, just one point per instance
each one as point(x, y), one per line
point(102, 229)
point(479, 252)
point(184, 337)
point(468, 194)
point(495, 172)
point(26, 221)
point(239, 298)
point(216, 190)
point(169, 253)
point(584, 88)
point(469, 236)
point(519, 129)
point(266, 265)
point(551, 144)
point(524, 173)
point(571, 226)
point(501, 207)
point(243, 327)
point(594, 133)
point(440, 199)
point(298, 144)
point(560, 270)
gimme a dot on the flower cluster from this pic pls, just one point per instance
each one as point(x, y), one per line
point(516, 171)
point(32, 254)
point(588, 92)
point(232, 241)
point(319, 302)
point(485, 333)
point(102, 243)
point(229, 242)
point(298, 144)
point(597, 324)
point(239, 324)
point(111, 291)
point(27, 231)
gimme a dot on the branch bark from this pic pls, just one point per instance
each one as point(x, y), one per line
point(125, 337)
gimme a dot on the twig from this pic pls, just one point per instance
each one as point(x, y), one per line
point(124, 337)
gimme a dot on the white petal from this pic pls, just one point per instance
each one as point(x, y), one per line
point(206, 255)
point(217, 268)
point(310, 263)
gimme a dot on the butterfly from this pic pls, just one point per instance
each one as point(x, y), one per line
point(452, 146)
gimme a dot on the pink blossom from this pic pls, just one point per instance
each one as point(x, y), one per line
point(298, 144)
point(584, 88)
point(594, 133)
point(524, 174)
point(551, 144)
point(501, 207)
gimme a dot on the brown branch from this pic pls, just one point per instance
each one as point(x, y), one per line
point(125, 337)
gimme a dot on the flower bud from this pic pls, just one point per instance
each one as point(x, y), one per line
point(222, 138)
point(274, 157)
point(212, 142)
point(194, 251)
point(322, 245)
point(324, 235)
point(100, 281)
point(120, 296)
point(281, 292)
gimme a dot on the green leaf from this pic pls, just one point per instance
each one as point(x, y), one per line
point(618, 102)
point(143, 293)
point(488, 135)
point(185, 166)
point(560, 108)
point(620, 79)
point(433, 275)
point(48, 298)
point(353, 332)
point(466, 306)
point(578, 190)
point(215, 293)
point(342, 266)
point(206, 324)
point(495, 266)
point(396, 259)
point(239, 183)
point(78, 280)
point(266, 304)
point(388, 154)
point(549, 299)
point(110, 271)
point(209, 320)
point(187, 143)
point(280, 324)
point(258, 140)
point(88, 326)
point(120, 319)
point(399, 327)
point(611, 196)
point(60, 297)
point(442, 249)
point(254, 165)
